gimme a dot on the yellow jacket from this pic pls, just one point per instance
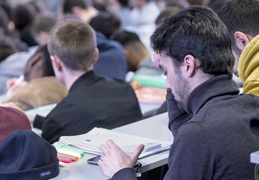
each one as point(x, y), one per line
point(248, 67)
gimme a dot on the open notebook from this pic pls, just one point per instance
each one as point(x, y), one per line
point(91, 141)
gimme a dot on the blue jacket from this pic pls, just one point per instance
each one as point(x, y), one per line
point(112, 61)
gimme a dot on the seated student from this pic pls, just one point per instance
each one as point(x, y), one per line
point(23, 18)
point(92, 101)
point(134, 50)
point(240, 17)
point(12, 119)
point(106, 23)
point(12, 62)
point(40, 87)
point(208, 117)
point(111, 62)
point(41, 27)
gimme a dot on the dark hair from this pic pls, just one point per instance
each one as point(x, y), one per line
point(74, 42)
point(125, 37)
point(22, 17)
point(69, 4)
point(167, 12)
point(197, 31)
point(7, 47)
point(215, 5)
point(42, 23)
point(124, 3)
point(47, 64)
point(4, 21)
point(240, 15)
point(42, 57)
point(106, 23)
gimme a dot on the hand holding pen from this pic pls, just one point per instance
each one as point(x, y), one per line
point(14, 83)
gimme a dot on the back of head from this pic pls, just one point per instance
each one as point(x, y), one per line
point(240, 15)
point(74, 42)
point(22, 17)
point(25, 155)
point(167, 12)
point(4, 21)
point(125, 37)
point(7, 47)
point(12, 119)
point(39, 64)
point(135, 51)
point(199, 32)
point(42, 24)
point(68, 5)
point(106, 23)
point(124, 3)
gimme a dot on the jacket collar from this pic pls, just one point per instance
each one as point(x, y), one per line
point(216, 86)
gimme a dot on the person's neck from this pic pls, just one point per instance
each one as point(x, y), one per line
point(72, 75)
point(199, 79)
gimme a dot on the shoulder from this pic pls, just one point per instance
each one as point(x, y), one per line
point(191, 132)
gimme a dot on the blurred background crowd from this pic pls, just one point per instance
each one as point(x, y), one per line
point(123, 28)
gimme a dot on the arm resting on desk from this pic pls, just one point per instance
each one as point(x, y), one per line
point(38, 121)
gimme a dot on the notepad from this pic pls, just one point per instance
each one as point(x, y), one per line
point(91, 141)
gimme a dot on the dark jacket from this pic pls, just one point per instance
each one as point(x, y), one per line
point(212, 140)
point(112, 61)
point(92, 101)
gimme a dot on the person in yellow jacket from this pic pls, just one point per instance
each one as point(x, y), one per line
point(241, 19)
point(248, 67)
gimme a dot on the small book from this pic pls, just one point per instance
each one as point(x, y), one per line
point(91, 141)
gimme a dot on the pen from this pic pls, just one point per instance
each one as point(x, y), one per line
point(17, 82)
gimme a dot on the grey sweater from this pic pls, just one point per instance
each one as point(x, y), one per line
point(212, 140)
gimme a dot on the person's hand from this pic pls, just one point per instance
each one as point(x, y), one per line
point(12, 84)
point(114, 159)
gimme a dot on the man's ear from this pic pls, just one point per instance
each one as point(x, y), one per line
point(241, 40)
point(96, 56)
point(189, 65)
point(126, 52)
point(56, 62)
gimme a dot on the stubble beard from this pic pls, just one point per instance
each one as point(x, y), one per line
point(182, 91)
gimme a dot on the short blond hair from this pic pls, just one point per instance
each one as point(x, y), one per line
point(74, 42)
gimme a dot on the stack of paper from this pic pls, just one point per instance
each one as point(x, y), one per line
point(91, 141)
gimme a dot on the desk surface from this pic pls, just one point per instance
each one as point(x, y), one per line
point(154, 127)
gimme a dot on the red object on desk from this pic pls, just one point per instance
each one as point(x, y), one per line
point(151, 95)
point(66, 158)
